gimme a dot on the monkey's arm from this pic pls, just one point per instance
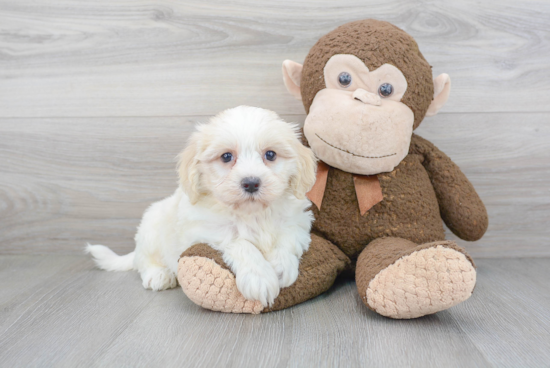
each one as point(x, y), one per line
point(459, 204)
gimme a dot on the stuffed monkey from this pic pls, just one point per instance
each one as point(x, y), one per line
point(382, 193)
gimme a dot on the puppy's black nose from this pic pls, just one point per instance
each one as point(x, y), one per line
point(250, 184)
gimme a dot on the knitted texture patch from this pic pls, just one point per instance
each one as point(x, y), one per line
point(424, 282)
point(213, 287)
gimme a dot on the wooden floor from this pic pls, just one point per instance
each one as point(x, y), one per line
point(98, 97)
point(59, 311)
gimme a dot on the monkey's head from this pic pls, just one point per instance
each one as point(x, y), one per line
point(365, 87)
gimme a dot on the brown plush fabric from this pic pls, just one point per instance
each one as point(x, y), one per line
point(204, 250)
point(411, 207)
point(319, 267)
point(376, 43)
point(383, 252)
point(459, 204)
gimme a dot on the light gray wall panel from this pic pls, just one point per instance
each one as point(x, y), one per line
point(67, 181)
point(173, 58)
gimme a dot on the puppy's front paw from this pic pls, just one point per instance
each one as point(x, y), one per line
point(158, 278)
point(257, 283)
point(286, 267)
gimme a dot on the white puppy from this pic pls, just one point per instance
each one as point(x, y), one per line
point(243, 180)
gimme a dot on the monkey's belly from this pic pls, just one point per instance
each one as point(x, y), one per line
point(409, 209)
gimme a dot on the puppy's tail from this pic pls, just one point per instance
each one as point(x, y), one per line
point(108, 260)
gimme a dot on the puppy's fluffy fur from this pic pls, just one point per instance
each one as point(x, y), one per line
point(261, 234)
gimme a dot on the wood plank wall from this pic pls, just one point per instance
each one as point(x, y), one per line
point(97, 98)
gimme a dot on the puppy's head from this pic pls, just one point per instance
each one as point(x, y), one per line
point(246, 155)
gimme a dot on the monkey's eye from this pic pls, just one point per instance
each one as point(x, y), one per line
point(227, 157)
point(385, 90)
point(344, 79)
point(270, 156)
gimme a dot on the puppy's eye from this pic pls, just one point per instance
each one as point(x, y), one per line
point(344, 79)
point(226, 157)
point(385, 90)
point(270, 156)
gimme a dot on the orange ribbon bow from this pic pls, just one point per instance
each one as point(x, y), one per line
point(367, 189)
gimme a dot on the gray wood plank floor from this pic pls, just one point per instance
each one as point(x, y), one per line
point(97, 98)
point(60, 311)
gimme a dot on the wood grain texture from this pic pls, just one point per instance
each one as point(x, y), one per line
point(514, 299)
point(507, 158)
point(96, 100)
point(68, 181)
point(75, 315)
point(177, 58)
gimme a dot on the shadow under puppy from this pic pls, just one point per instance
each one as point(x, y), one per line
point(243, 180)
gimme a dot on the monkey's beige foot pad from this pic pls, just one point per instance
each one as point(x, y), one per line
point(212, 287)
point(424, 282)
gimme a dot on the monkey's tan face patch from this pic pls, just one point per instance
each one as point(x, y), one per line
point(358, 122)
point(362, 78)
point(357, 137)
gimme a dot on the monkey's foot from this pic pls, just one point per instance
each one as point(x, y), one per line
point(213, 287)
point(208, 282)
point(432, 278)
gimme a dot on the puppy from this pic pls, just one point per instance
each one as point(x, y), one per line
point(243, 180)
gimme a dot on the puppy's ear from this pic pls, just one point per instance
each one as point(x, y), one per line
point(305, 177)
point(188, 170)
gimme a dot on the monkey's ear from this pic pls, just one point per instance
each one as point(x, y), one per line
point(442, 88)
point(292, 75)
